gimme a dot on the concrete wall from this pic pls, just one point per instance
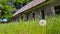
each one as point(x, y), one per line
point(48, 11)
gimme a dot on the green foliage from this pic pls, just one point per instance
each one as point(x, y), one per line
point(4, 2)
point(23, 1)
point(1, 7)
point(7, 10)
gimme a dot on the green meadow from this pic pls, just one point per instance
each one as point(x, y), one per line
point(32, 27)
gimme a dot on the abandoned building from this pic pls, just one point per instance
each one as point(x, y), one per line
point(36, 8)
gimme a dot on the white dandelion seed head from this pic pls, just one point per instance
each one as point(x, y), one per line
point(42, 22)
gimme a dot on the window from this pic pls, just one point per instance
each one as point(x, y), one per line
point(42, 14)
point(33, 15)
point(57, 10)
point(26, 17)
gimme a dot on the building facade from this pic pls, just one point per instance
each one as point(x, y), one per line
point(42, 10)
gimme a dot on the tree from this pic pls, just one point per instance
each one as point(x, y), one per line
point(9, 7)
point(20, 3)
point(6, 9)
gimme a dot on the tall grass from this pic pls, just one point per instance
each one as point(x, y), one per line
point(32, 27)
point(53, 25)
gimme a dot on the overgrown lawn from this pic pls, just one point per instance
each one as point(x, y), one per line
point(32, 27)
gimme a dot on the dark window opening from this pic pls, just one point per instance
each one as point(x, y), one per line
point(42, 14)
point(26, 17)
point(21, 16)
point(57, 10)
point(33, 15)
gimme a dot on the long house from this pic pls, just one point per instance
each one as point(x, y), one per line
point(38, 9)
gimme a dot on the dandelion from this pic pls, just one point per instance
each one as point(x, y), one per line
point(42, 22)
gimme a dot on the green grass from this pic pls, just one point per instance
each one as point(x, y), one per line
point(32, 27)
point(53, 25)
